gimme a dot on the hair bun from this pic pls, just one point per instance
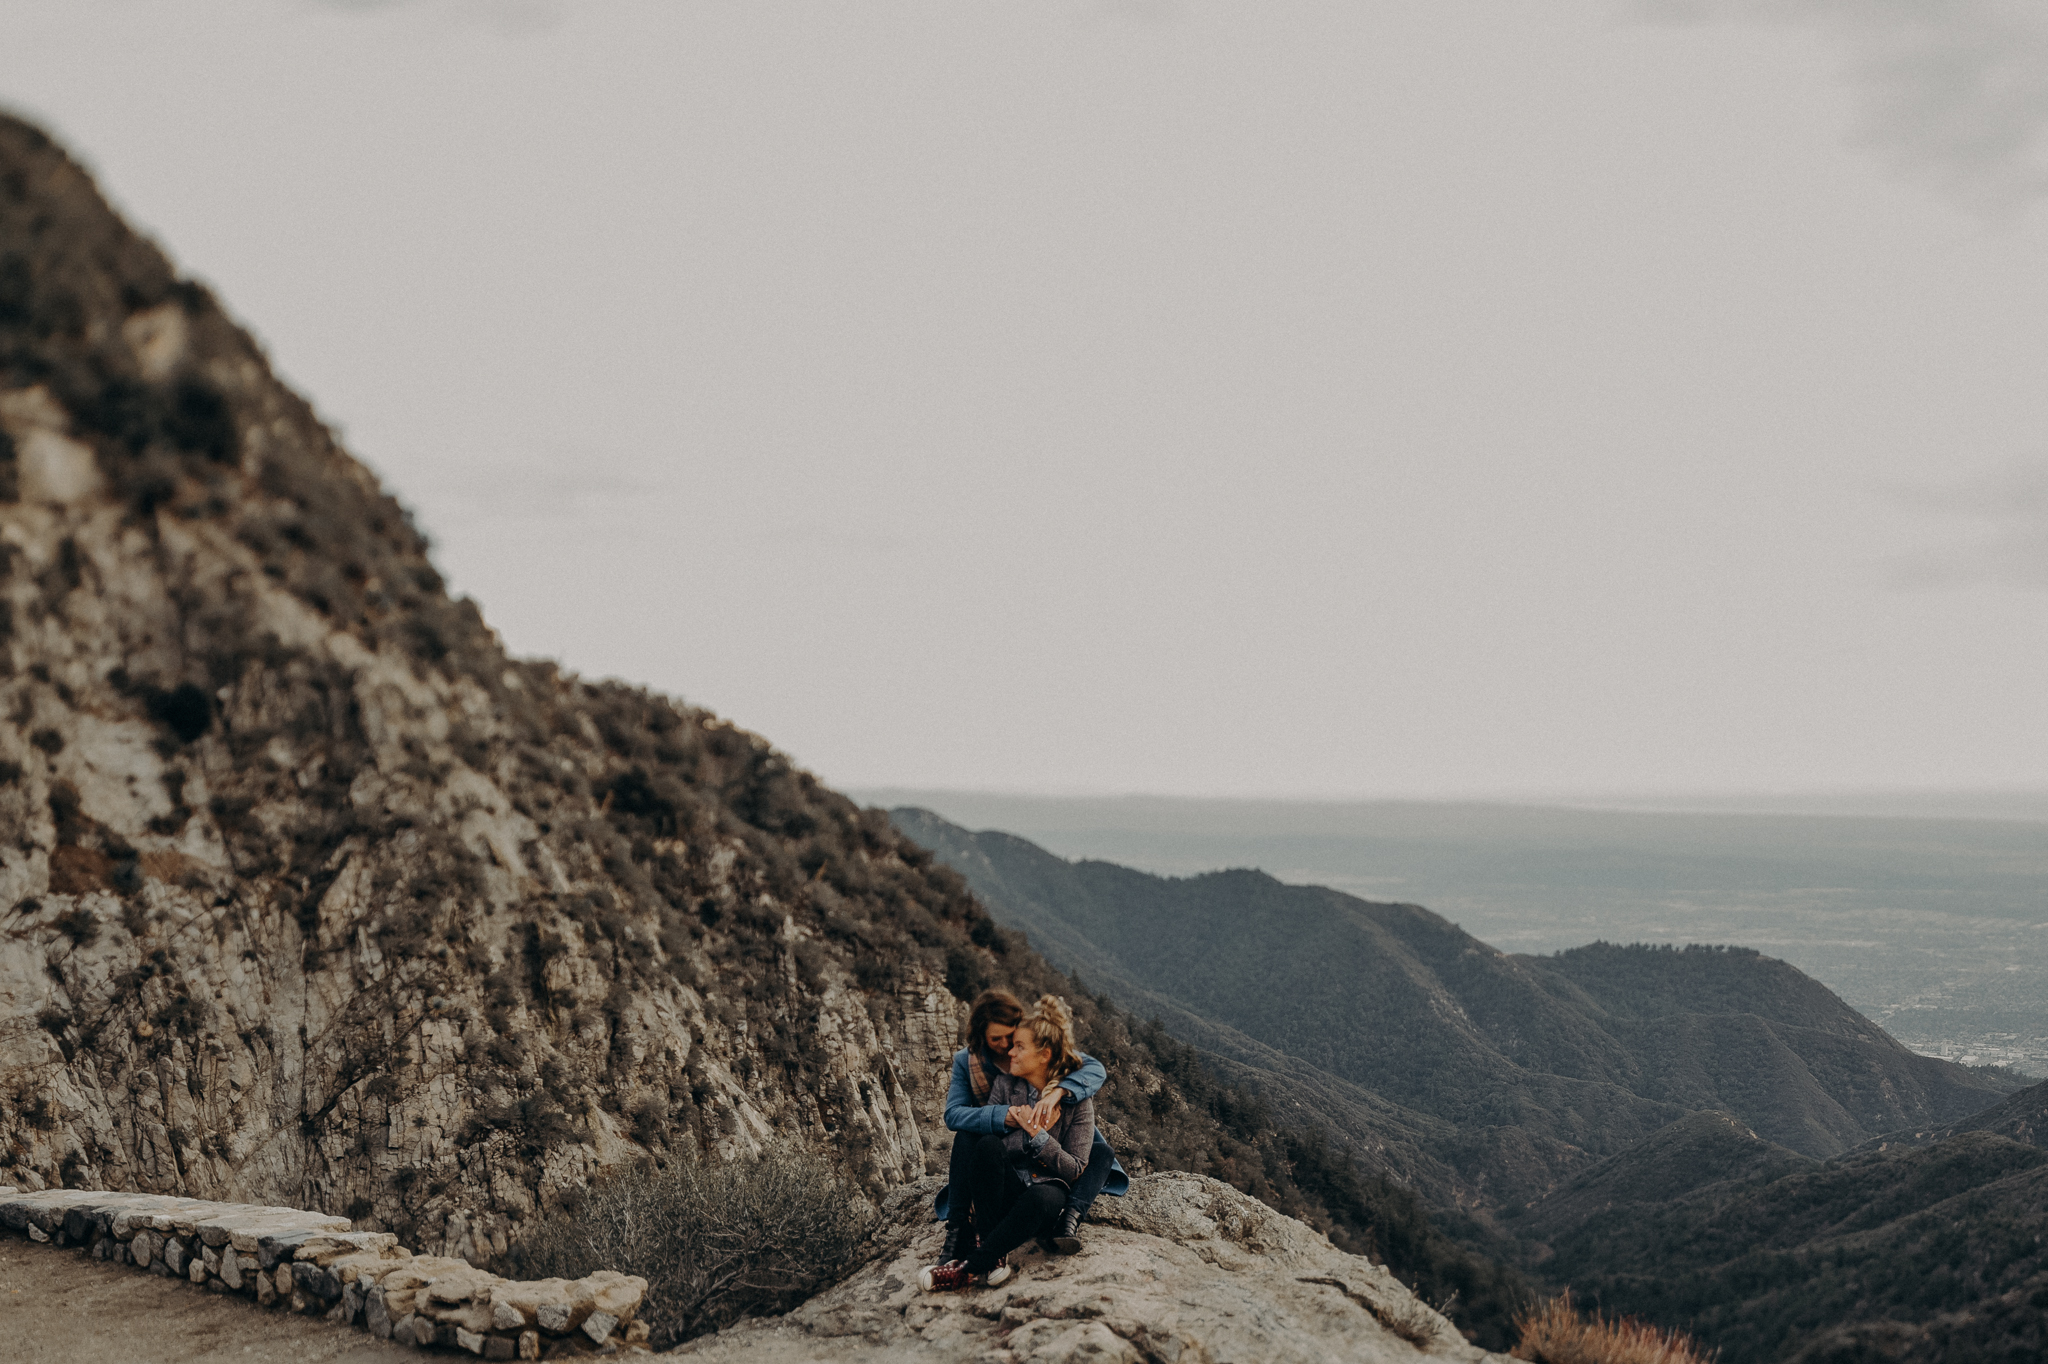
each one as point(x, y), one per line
point(1052, 1023)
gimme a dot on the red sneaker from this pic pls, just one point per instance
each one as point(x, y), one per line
point(953, 1275)
point(946, 1278)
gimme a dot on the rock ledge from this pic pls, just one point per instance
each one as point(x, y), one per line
point(1185, 1270)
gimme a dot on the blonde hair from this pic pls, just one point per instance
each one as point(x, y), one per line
point(1051, 1024)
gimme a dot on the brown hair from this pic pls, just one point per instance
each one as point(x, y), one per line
point(992, 1006)
point(1052, 1023)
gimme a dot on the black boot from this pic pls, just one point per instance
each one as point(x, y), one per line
point(1064, 1237)
point(960, 1242)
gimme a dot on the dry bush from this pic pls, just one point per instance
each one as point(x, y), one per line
point(1556, 1334)
point(715, 1242)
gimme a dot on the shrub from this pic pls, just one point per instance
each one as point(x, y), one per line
point(80, 925)
point(715, 1242)
point(1556, 1334)
point(185, 710)
point(967, 975)
point(650, 1119)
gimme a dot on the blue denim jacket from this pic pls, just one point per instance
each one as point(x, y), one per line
point(963, 1114)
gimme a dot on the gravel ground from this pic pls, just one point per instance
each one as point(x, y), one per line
point(64, 1307)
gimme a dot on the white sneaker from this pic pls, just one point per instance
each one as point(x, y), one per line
point(1001, 1274)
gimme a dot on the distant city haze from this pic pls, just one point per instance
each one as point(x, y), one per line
point(1318, 398)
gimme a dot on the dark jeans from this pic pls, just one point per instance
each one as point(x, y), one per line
point(960, 1177)
point(1007, 1211)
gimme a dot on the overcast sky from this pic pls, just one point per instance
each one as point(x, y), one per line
point(1312, 397)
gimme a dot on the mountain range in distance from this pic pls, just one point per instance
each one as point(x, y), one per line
point(1924, 914)
point(1705, 1137)
point(1417, 1030)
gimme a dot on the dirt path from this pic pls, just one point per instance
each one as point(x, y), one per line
point(64, 1307)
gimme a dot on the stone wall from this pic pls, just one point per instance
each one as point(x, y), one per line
point(309, 1262)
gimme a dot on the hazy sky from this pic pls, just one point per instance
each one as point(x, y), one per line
point(1307, 397)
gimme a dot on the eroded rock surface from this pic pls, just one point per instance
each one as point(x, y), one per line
point(1185, 1270)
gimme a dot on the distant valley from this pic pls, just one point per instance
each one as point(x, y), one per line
point(1926, 917)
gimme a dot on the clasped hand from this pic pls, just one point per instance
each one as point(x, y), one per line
point(1038, 1117)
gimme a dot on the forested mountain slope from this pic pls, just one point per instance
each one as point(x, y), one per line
point(1700, 1150)
point(1921, 1254)
point(2022, 1118)
point(1540, 1064)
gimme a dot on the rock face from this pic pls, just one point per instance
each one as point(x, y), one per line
point(309, 895)
point(1183, 1269)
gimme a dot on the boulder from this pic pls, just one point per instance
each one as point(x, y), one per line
point(459, 1298)
point(376, 1315)
point(560, 1306)
point(325, 1247)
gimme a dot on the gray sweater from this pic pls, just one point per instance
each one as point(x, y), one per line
point(1061, 1152)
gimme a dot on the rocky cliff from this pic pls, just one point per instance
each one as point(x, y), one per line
point(308, 894)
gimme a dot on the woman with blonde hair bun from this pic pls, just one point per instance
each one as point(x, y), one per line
point(1021, 1179)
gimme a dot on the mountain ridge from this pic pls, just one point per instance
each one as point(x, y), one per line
point(1766, 1217)
point(1539, 1065)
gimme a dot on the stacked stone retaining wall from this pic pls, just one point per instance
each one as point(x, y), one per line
point(293, 1260)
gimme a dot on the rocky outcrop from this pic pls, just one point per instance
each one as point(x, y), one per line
point(1184, 1269)
point(311, 1263)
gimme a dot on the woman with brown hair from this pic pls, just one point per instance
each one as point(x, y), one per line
point(1021, 1179)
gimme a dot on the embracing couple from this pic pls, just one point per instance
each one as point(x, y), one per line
point(1027, 1158)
